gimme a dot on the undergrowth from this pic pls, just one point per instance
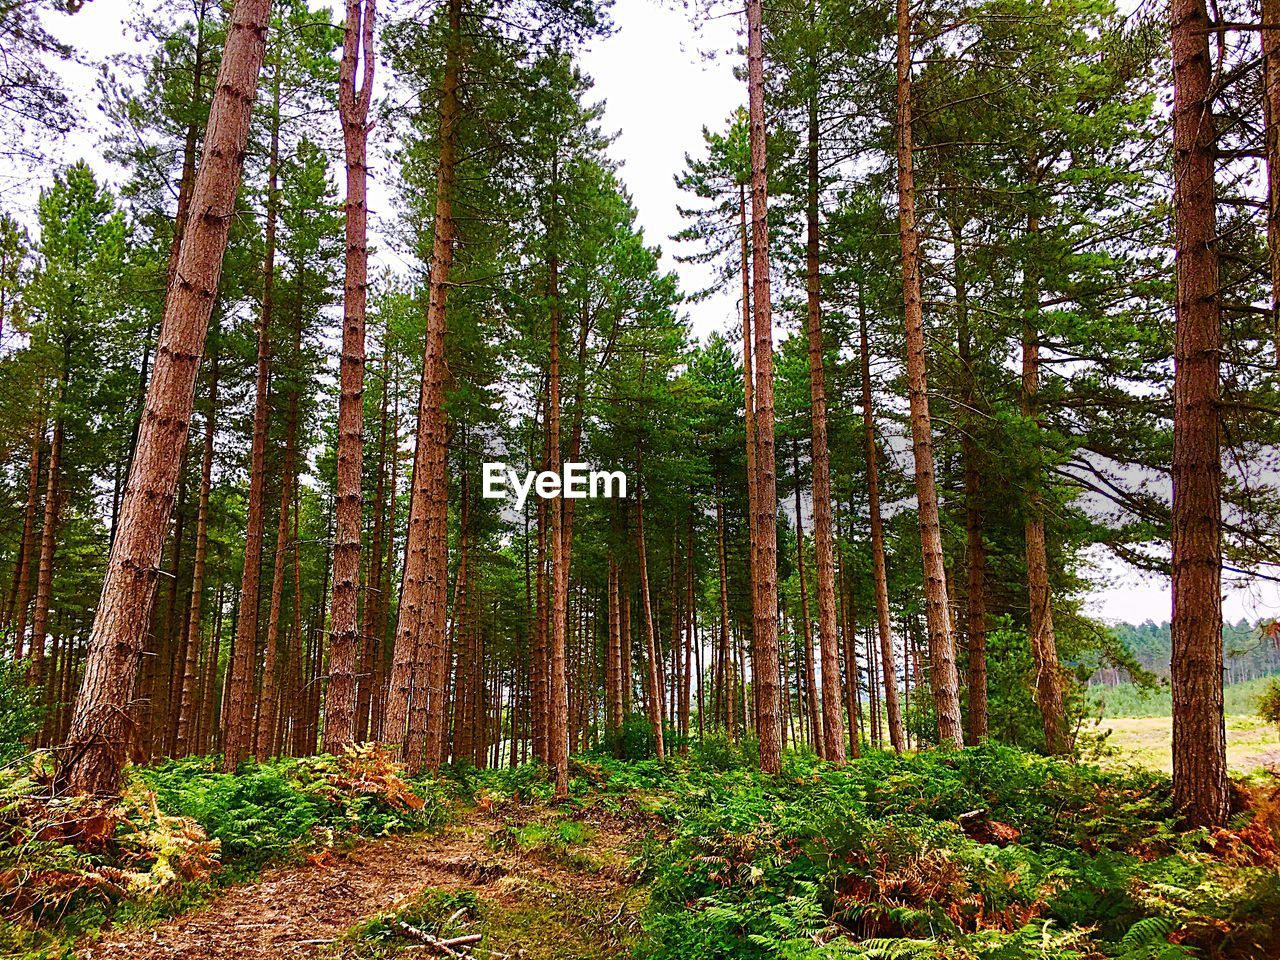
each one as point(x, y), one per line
point(983, 853)
point(181, 829)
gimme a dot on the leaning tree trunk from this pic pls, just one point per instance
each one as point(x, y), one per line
point(353, 108)
point(765, 637)
point(823, 539)
point(942, 648)
point(878, 569)
point(1199, 738)
point(420, 627)
point(99, 732)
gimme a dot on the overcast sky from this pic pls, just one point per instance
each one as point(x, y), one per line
point(660, 90)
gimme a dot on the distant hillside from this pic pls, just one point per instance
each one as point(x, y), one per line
point(1249, 652)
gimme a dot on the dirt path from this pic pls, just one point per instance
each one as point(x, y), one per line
point(302, 909)
point(293, 911)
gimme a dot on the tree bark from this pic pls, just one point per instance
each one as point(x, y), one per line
point(187, 704)
point(238, 721)
point(823, 540)
point(884, 625)
point(1271, 115)
point(653, 693)
point(1044, 645)
point(99, 731)
point(344, 638)
point(420, 628)
point(28, 535)
point(1199, 738)
point(48, 543)
point(975, 547)
point(942, 651)
point(269, 698)
point(765, 639)
point(811, 682)
point(375, 599)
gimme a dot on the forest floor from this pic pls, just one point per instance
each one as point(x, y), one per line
point(1252, 743)
point(987, 853)
point(539, 885)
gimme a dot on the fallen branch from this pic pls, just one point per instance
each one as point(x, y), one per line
point(445, 946)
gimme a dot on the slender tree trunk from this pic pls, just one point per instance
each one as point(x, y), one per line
point(1199, 739)
point(238, 721)
point(1044, 646)
point(749, 401)
point(653, 693)
point(811, 683)
point(975, 548)
point(269, 699)
point(48, 543)
point(99, 731)
point(557, 714)
point(893, 711)
point(942, 652)
point(187, 704)
point(765, 640)
point(353, 108)
point(724, 682)
point(1271, 115)
point(829, 642)
point(613, 675)
point(375, 599)
point(28, 535)
point(421, 625)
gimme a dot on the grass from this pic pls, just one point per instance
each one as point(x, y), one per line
point(1139, 727)
point(1147, 742)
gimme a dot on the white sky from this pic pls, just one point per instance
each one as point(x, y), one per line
point(660, 90)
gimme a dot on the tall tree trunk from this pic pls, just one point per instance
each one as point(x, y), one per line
point(1271, 115)
point(749, 402)
point(238, 721)
point(557, 714)
point(1044, 645)
point(765, 639)
point(613, 675)
point(823, 540)
point(353, 108)
point(420, 629)
point(187, 704)
point(811, 682)
point(1199, 738)
point(893, 711)
point(724, 679)
point(653, 691)
point(975, 548)
point(28, 535)
point(269, 699)
point(99, 733)
point(48, 542)
point(375, 599)
point(942, 649)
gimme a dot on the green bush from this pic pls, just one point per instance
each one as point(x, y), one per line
point(1269, 702)
point(20, 714)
